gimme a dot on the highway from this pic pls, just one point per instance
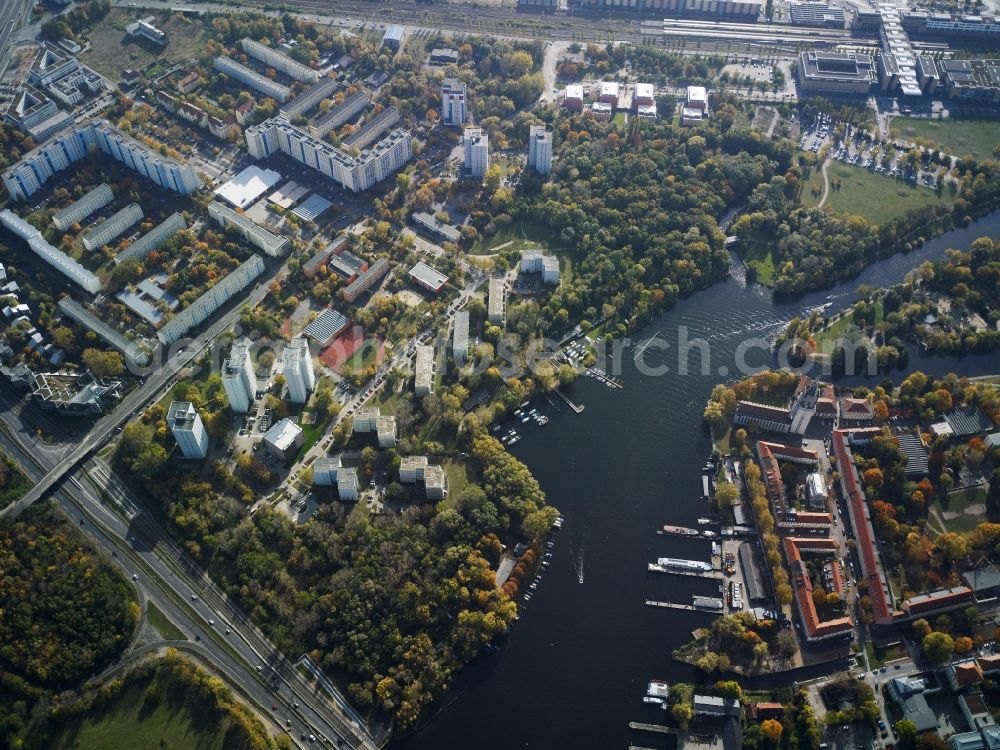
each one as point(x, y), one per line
point(12, 14)
point(169, 578)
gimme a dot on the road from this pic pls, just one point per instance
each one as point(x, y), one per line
point(170, 579)
point(173, 361)
point(12, 15)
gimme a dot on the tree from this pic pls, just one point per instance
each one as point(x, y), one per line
point(938, 647)
point(772, 729)
point(906, 731)
point(921, 628)
point(963, 644)
point(103, 363)
point(727, 494)
point(683, 713)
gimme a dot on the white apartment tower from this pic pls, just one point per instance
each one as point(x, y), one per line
point(188, 429)
point(453, 102)
point(238, 377)
point(297, 367)
point(540, 149)
point(477, 152)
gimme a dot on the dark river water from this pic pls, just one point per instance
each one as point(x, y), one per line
point(574, 671)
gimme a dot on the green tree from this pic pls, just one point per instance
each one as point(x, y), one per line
point(938, 647)
point(682, 713)
point(104, 363)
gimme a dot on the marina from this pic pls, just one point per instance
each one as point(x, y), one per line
point(603, 377)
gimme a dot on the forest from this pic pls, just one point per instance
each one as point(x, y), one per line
point(64, 613)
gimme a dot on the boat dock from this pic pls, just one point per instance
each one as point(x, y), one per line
point(701, 604)
point(570, 404)
point(711, 574)
point(658, 728)
point(603, 377)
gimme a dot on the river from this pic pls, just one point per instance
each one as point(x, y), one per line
point(573, 673)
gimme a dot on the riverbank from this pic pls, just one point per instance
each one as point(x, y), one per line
point(576, 666)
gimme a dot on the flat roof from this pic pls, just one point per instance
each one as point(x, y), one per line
point(247, 186)
point(288, 194)
point(283, 434)
point(428, 276)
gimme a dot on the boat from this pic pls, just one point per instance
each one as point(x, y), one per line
point(652, 699)
point(704, 521)
point(526, 420)
point(679, 530)
point(658, 688)
point(543, 420)
point(709, 534)
point(513, 440)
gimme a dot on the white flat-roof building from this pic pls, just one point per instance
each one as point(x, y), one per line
point(534, 261)
point(328, 472)
point(247, 186)
point(370, 419)
point(609, 92)
point(112, 227)
point(284, 439)
point(413, 469)
point(423, 384)
point(477, 152)
point(428, 277)
point(188, 429)
point(697, 98)
point(199, 310)
point(36, 114)
point(256, 235)
point(573, 97)
point(238, 377)
point(540, 148)
point(460, 337)
point(453, 102)
point(253, 79)
point(144, 28)
point(58, 260)
point(153, 239)
point(279, 61)
point(496, 305)
point(297, 367)
point(80, 209)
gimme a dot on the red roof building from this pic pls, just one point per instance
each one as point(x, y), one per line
point(814, 629)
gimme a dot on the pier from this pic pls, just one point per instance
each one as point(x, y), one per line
point(716, 606)
point(711, 574)
point(658, 728)
point(570, 404)
point(603, 377)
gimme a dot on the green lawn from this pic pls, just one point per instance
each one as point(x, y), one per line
point(310, 434)
point(953, 513)
point(461, 472)
point(862, 193)
point(836, 329)
point(131, 722)
point(878, 656)
point(760, 259)
point(163, 625)
point(520, 235)
point(961, 137)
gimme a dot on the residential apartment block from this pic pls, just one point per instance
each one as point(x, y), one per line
point(279, 61)
point(75, 144)
point(424, 369)
point(534, 261)
point(80, 209)
point(58, 260)
point(200, 310)
point(355, 173)
point(238, 377)
point(271, 244)
point(540, 148)
point(496, 305)
point(153, 239)
point(453, 102)
point(477, 152)
point(113, 227)
point(188, 429)
point(253, 79)
point(297, 367)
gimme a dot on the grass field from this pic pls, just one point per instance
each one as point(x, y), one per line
point(862, 193)
point(460, 473)
point(165, 628)
point(826, 337)
point(960, 511)
point(759, 258)
point(961, 137)
point(130, 722)
point(111, 50)
point(517, 235)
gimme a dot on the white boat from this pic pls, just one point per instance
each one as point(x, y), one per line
point(709, 534)
point(658, 689)
point(704, 521)
point(652, 699)
point(513, 440)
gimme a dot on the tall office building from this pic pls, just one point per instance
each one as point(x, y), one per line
point(354, 173)
point(238, 377)
point(297, 367)
point(188, 429)
point(477, 152)
point(540, 149)
point(453, 103)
